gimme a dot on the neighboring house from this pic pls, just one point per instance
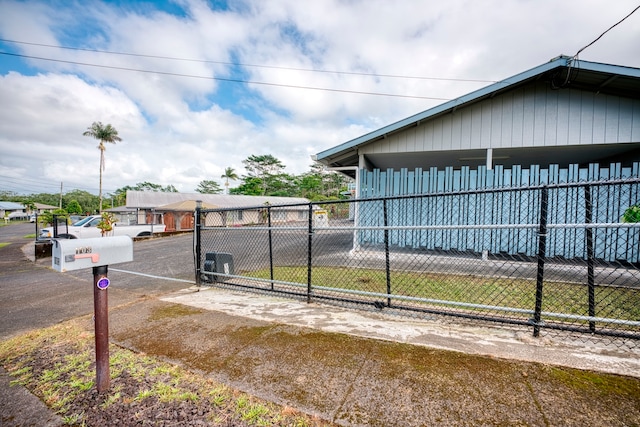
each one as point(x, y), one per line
point(175, 210)
point(11, 209)
point(562, 113)
point(42, 208)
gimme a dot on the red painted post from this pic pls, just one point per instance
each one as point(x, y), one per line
point(101, 315)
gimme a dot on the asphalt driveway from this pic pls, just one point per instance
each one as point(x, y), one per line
point(36, 296)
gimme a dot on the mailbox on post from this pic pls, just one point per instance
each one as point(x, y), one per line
point(76, 254)
point(97, 253)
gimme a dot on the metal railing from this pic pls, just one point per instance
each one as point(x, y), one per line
point(550, 257)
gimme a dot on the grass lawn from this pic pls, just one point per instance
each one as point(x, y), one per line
point(568, 298)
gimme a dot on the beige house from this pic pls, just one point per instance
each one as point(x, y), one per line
point(42, 208)
point(176, 210)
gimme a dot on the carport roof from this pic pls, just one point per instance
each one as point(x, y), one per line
point(561, 72)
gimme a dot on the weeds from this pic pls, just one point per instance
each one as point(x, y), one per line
point(219, 395)
point(72, 419)
point(144, 394)
point(111, 399)
point(57, 365)
point(254, 413)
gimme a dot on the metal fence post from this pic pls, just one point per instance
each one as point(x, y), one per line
point(386, 250)
point(270, 246)
point(542, 248)
point(55, 226)
point(309, 246)
point(590, 257)
point(197, 236)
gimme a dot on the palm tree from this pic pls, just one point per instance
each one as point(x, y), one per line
point(104, 134)
point(228, 174)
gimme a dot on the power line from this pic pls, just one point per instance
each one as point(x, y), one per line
point(26, 184)
point(204, 61)
point(606, 31)
point(165, 73)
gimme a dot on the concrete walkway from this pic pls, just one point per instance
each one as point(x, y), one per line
point(487, 340)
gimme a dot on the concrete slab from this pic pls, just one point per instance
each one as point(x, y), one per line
point(485, 340)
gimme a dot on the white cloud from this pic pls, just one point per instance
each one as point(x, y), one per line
point(180, 130)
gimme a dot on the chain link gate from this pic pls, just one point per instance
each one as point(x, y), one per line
point(549, 257)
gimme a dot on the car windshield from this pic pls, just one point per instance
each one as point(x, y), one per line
point(82, 221)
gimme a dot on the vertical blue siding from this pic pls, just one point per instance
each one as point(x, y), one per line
point(449, 200)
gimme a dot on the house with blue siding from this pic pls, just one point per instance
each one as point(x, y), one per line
point(561, 122)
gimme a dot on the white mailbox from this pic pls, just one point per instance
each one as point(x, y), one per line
point(76, 254)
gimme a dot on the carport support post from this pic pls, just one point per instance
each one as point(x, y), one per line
point(101, 314)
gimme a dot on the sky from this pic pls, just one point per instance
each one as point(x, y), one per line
point(196, 86)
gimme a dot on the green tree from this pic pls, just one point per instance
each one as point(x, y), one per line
point(89, 202)
point(250, 187)
point(30, 205)
point(264, 167)
point(73, 207)
point(229, 174)
point(9, 196)
point(46, 218)
point(45, 198)
point(103, 133)
point(283, 185)
point(208, 186)
point(310, 185)
point(332, 183)
point(120, 195)
point(150, 186)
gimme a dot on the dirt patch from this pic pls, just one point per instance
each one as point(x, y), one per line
point(57, 365)
point(360, 381)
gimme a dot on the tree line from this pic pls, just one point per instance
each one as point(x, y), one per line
point(266, 176)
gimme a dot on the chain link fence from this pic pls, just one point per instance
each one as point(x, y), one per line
point(547, 258)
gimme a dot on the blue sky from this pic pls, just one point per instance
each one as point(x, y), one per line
point(183, 121)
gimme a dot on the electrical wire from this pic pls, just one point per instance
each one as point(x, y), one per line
point(605, 32)
point(204, 61)
point(252, 82)
point(9, 183)
point(574, 58)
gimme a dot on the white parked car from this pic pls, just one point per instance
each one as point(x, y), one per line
point(87, 228)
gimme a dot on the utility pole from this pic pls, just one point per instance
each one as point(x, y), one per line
point(60, 204)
